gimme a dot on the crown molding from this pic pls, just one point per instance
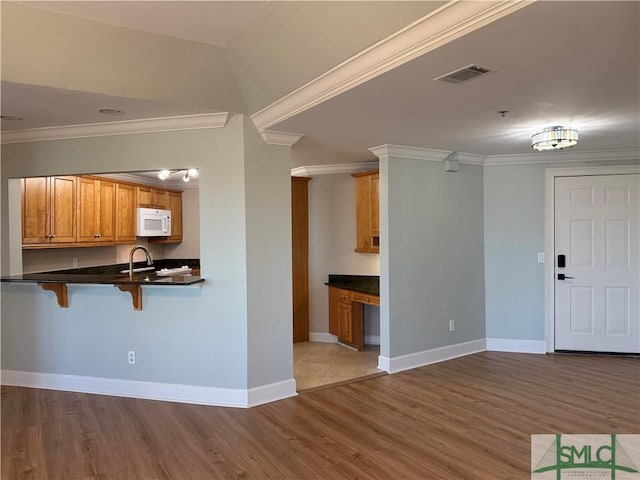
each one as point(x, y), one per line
point(413, 153)
point(125, 127)
point(286, 139)
point(314, 170)
point(565, 156)
point(416, 153)
point(443, 25)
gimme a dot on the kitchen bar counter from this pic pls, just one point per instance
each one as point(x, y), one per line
point(57, 281)
point(141, 278)
point(113, 274)
point(369, 284)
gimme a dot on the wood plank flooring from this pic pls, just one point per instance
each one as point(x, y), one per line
point(468, 418)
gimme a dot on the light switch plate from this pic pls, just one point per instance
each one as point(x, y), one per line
point(540, 257)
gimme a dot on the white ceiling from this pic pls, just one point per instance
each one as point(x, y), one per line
point(211, 22)
point(568, 63)
point(556, 63)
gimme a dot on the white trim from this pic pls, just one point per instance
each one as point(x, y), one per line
point(271, 392)
point(427, 357)
point(285, 139)
point(125, 127)
point(322, 337)
point(549, 250)
point(416, 153)
point(171, 392)
point(372, 339)
point(314, 170)
point(439, 27)
point(516, 345)
point(565, 157)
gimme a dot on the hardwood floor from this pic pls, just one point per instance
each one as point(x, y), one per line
point(468, 418)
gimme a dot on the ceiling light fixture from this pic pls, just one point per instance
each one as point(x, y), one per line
point(554, 138)
point(188, 174)
point(111, 111)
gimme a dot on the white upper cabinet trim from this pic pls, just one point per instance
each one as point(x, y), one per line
point(443, 25)
point(161, 124)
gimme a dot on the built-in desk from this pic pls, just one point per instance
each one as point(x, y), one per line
point(348, 294)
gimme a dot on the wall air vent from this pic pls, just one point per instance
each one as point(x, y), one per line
point(464, 74)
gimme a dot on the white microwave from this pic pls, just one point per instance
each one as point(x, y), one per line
point(152, 222)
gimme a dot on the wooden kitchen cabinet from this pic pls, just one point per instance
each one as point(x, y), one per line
point(48, 211)
point(96, 210)
point(174, 204)
point(346, 318)
point(126, 195)
point(83, 211)
point(367, 212)
point(150, 197)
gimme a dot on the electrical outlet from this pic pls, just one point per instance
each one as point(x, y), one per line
point(452, 325)
point(74, 262)
point(131, 357)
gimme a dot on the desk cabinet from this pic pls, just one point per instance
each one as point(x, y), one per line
point(346, 315)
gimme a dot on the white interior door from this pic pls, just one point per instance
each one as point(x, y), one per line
point(597, 229)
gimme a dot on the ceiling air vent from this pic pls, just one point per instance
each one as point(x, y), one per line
point(463, 74)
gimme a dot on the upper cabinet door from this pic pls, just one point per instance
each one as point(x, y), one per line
point(107, 211)
point(63, 209)
point(367, 212)
point(96, 210)
point(126, 200)
point(35, 210)
point(88, 223)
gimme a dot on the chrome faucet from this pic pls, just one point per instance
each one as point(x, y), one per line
point(146, 252)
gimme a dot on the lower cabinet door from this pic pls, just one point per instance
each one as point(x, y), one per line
point(345, 324)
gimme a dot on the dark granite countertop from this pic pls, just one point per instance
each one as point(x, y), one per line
point(360, 283)
point(111, 274)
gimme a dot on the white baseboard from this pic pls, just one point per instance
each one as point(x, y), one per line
point(517, 346)
point(322, 337)
point(271, 392)
point(328, 338)
point(426, 357)
point(170, 392)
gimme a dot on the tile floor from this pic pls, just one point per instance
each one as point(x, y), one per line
point(317, 364)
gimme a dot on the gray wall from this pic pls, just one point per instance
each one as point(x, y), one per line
point(432, 255)
point(514, 217)
point(183, 335)
point(269, 279)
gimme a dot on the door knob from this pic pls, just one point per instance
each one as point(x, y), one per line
point(562, 276)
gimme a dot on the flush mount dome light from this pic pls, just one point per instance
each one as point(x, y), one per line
point(111, 111)
point(554, 138)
